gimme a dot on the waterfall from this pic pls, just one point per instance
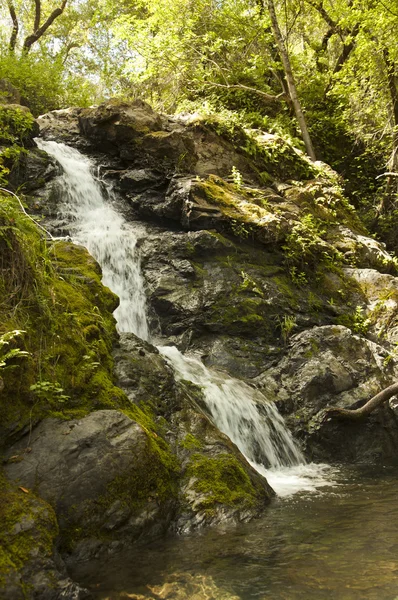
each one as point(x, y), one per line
point(94, 222)
point(241, 413)
point(92, 218)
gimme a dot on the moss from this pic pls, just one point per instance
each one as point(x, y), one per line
point(221, 480)
point(190, 442)
point(54, 294)
point(28, 528)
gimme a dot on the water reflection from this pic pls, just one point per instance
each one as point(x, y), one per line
point(340, 544)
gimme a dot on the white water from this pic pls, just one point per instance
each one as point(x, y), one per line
point(238, 410)
point(253, 424)
point(95, 223)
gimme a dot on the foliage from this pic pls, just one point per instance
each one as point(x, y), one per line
point(15, 129)
point(356, 321)
point(7, 353)
point(43, 83)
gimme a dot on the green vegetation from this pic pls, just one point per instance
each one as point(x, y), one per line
point(221, 480)
point(19, 545)
point(61, 364)
point(16, 126)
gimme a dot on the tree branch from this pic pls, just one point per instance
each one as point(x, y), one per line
point(240, 86)
point(326, 17)
point(366, 409)
point(15, 26)
point(31, 39)
point(37, 15)
point(347, 49)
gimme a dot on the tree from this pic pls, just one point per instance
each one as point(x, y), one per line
point(38, 29)
point(290, 80)
point(365, 410)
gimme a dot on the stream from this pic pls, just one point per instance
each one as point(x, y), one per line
point(332, 533)
point(338, 544)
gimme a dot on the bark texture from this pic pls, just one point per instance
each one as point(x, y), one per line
point(365, 410)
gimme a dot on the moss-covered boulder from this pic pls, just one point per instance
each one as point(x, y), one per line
point(29, 567)
point(216, 483)
point(61, 316)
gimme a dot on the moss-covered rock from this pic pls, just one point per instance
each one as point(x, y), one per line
point(52, 293)
point(28, 568)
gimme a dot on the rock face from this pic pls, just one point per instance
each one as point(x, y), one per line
point(239, 256)
point(330, 366)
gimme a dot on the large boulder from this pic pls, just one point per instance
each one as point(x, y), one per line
point(101, 475)
point(330, 366)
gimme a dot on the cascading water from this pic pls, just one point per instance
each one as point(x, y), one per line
point(93, 222)
point(237, 409)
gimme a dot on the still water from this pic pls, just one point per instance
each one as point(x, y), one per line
point(340, 543)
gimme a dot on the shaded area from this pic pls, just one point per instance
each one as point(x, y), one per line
point(339, 545)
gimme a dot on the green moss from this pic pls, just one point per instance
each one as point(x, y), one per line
point(28, 528)
point(221, 480)
point(190, 442)
point(53, 293)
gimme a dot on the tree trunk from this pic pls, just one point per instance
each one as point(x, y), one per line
point(290, 80)
point(366, 409)
point(15, 26)
point(391, 188)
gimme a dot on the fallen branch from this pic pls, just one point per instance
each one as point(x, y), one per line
point(365, 410)
point(240, 86)
point(26, 214)
point(389, 174)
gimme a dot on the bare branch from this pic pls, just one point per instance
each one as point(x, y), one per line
point(366, 409)
point(389, 174)
point(239, 86)
point(31, 39)
point(15, 26)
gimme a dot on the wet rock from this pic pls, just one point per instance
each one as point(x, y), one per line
point(331, 366)
point(33, 170)
point(63, 126)
point(180, 586)
point(212, 469)
point(138, 180)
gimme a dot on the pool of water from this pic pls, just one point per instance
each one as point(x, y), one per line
point(339, 543)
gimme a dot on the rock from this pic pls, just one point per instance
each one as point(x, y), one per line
point(115, 126)
point(63, 126)
point(360, 250)
point(330, 366)
point(93, 472)
point(212, 469)
point(29, 564)
point(138, 180)
point(33, 170)
point(8, 93)
point(380, 300)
